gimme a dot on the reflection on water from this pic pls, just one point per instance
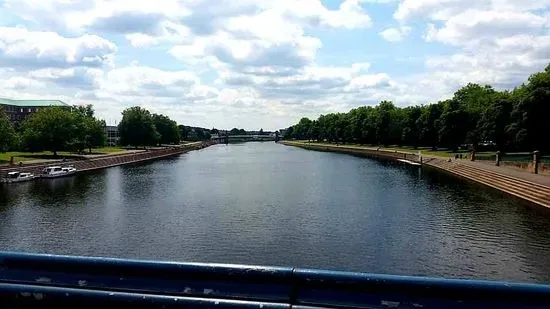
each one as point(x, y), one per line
point(263, 203)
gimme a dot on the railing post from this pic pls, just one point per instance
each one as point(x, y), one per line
point(497, 162)
point(473, 158)
point(536, 161)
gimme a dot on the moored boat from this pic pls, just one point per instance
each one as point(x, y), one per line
point(58, 171)
point(18, 177)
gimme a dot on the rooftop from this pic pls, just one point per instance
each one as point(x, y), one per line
point(32, 103)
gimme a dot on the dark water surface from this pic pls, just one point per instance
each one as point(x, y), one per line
point(269, 204)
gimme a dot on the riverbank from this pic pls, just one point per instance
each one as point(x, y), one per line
point(105, 161)
point(529, 187)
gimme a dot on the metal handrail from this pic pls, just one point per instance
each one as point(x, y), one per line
point(29, 279)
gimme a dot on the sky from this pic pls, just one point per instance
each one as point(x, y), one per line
point(264, 63)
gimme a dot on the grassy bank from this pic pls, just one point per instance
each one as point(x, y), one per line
point(21, 156)
point(441, 152)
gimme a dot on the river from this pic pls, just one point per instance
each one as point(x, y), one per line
point(270, 204)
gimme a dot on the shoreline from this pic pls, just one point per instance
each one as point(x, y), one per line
point(87, 165)
point(525, 189)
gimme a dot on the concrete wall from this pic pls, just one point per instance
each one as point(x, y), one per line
point(544, 168)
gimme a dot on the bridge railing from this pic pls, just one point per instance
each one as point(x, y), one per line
point(49, 281)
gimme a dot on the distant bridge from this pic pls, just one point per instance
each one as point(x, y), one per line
point(221, 139)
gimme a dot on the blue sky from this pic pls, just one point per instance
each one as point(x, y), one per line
point(264, 63)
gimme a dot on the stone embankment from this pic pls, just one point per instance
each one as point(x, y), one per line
point(112, 160)
point(522, 184)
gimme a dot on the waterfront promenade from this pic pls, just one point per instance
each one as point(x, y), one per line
point(105, 161)
point(522, 184)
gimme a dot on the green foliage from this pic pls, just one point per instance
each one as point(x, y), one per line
point(50, 128)
point(90, 132)
point(516, 120)
point(236, 131)
point(60, 128)
point(137, 128)
point(195, 133)
point(167, 128)
point(8, 136)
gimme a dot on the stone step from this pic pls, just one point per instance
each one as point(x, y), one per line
point(522, 193)
point(514, 186)
point(534, 184)
point(517, 184)
point(525, 190)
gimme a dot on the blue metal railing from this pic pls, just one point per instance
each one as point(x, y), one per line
point(35, 280)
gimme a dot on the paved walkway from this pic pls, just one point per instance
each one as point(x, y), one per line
point(485, 165)
point(93, 156)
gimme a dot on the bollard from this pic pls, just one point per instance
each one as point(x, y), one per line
point(497, 162)
point(11, 160)
point(536, 161)
point(473, 157)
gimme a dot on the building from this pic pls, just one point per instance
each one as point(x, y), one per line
point(111, 135)
point(18, 110)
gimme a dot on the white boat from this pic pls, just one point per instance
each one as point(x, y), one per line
point(58, 171)
point(18, 177)
point(409, 162)
point(69, 169)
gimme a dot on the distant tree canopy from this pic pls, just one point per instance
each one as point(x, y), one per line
point(90, 132)
point(61, 128)
point(137, 128)
point(236, 131)
point(8, 136)
point(512, 120)
point(167, 128)
point(195, 133)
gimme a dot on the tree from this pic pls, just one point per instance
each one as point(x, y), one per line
point(516, 119)
point(289, 133)
point(137, 127)
point(494, 120)
point(95, 133)
point(453, 125)
point(302, 129)
point(429, 124)
point(50, 128)
point(184, 132)
point(383, 122)
point(530, 115)
point(167, 128)
point(89, 132)
point(410, 134)
point(7, 132)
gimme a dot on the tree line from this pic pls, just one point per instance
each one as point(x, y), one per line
point(76, 129)
point(55, 128)
point(476, 115)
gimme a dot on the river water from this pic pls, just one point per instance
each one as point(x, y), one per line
point(270, 204)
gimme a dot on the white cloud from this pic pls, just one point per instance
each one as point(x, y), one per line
point(228, 63)
point(152, 85)
point(20, 47)
point(473, 26)
point(395, 34)
point(445, 9)
point(79, 77)
point(19, 83)
point(500, 42)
